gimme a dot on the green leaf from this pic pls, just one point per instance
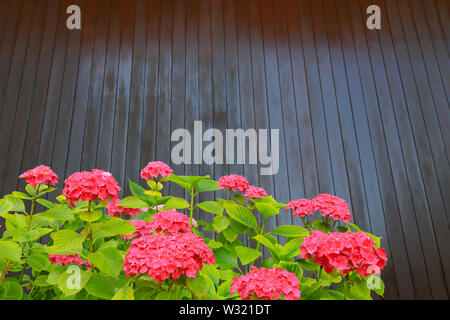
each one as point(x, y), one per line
point(291, 231)
point(206, 185)
point(213, 244)
point(114, 226)
point(5, 206)
point(31, 190)
point(292, 267)
point(309, 265)
point(17, 204)
point(225, 259)
point(136, 189)
point(359, 290)
point(181, 181)
point(23, 235)
point(220, 223)
point(321, 226)
point(21, 195)
point(211, 207)
point(11, 290)
point(100, 286)
point(240, 198)
point(133, 202)
point(292, 248)
point(58, 212)
point(45, 203)
point(176, 203)
point(230, 234)
point(66, 242)
point(91, 216)
point(341, 229)
point(10, 250)
point(224, 288)
point(55, 272)
point(38, 261)
point(108, 260)
point(125, 293)
point(73, 280)
point(267, 209)
point(198, 286)
point(247, 255)
point(242, 215)
point(264, 241)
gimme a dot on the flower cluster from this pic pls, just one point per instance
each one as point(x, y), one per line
point(170, 221)
point(68, 259)
point(344, 252)
point(155, 169)
point(267, 284)
point(233, 182)
point(89, 186)
point(328, 204)
point(115, 210)
point(40, 175)
point(167, 256)
point(255, 192)
point(332, 206)
point(301, 207)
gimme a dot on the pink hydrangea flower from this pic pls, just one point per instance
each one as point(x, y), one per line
point(234, 182)
point(167, 256)
point(170, 221)
point(64, 260)
point(301, 207)
point(40, 175)
point(267, 284)
point(155, 169)
point(255, 192)
point(344, 252)
point(89, 186)
point(332, 206)
point(143, 228)
point(115, 210)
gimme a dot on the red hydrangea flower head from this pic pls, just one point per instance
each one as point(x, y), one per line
point(167, 256)
point(301, 207)
point(234, 182)
point(170, 221)
point(267, 284)
point(332, 206)
point(68, 259)
point(155, 169)
point(40, 175)
point(344, 252)
point(88, 186)
point(115, 210)
point(255, 192)
point(143, 228)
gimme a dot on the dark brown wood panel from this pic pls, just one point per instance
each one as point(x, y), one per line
point(362, 114)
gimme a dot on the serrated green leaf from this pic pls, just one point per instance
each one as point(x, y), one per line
point(38, 261)
point(175, 203)
point(108, 260)
point(114, 226)
point(66, 242)
point(58, 212)
point(73, 280)
point(10, 250)
point(267, 209)
point(198, 286)
point(242, 215)
point(220, 223)
point(133, 202)
point(211, 207)
point(125, 293)
point(225, 259)
point(291, 231)
point(205, 185)
point(100, 286)
point(247, 255)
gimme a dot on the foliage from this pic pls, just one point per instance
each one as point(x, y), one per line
point(85, 250)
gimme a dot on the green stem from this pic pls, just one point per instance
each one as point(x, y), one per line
point(345, 287)
point(229, 194)
point(191, 207)
point(5, 271)
point(260, 232)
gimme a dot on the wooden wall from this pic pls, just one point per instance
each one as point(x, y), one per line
point(362, 114)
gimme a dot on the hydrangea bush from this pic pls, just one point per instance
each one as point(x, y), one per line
point(149, 246)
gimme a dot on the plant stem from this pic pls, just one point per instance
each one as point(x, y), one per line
point(191, 207)
point(345, 287)
point(260, 232)
point(229, 194)
point(5, 271)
